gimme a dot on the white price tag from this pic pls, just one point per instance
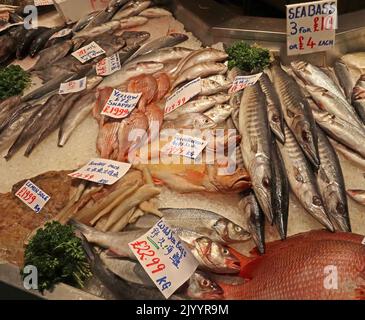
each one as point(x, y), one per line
point(39, 3)
point(184, 145)
point(108, 65)
point(183, 95)
point(73, 86)
point(164, 257)
point(34, 197)
point(88, 52)
point(311, 27)
point(102, 171)
point(120, 104)
point(61, 33)
point(241, 82)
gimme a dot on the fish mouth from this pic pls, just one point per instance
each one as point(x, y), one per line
point(233, 264)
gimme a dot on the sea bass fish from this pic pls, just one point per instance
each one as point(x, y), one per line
point(344, 76)
point(302, 180)
point(294, 269)
point(256, 146)
point(296, 113)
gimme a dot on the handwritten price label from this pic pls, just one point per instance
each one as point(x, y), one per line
point(120, 104)
point(102, 171)
point(241, 82)
point(88, 52)
point(73, 86)
point(164, 257)
point(34, 197)
point(184, 145)
point(108, 65)
point(311, 26)
point(60, 34)
point(183, 95)
point(39, 3)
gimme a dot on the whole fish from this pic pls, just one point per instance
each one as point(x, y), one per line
point(255, 218)
point(342, 131)
point(256, 146)
point(40, 41)
point(162, 55)
point(344, 76)
point(297, 269)
point(358, 98)
point(220, 113)
point(302, 180)
point(98, 30)
point(120, 77)
point(155, 13)
point(200, 70)
point(296, 113)
point(13, 114)
point(77, 114)
point(210, 87)
point(132, 8)
point(198, 57)
point(50, 55)
point(193, 106)
point(135, 38)
point(357, 195)
point(334, 105)
point(132, 22)
point(170, 40)
point(349, 154)
point(355, 61)
point(332, 184)
point(190, 121)
point(201, 221)
point(313, 75)
point(281, 191)
point(24, 45)
point(7, 106)
point(83, 22)
point(274, 112)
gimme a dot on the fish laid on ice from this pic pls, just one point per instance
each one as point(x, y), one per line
point(220, 113)
point(344, 77)
point(98, 30)
point(190, 121)
point(358, 98)
point(256, 146)
point(297, 113)
point(357, 195)
point(132, 8)
point(84, 21)
point(200, 70)
point(302, 180)
point(155, 13)
point(210, 87)
point(132, 22)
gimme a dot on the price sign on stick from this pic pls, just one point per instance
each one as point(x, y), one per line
point(311, 27)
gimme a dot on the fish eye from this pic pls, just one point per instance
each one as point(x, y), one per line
point(266, 182)
point(225, 251)
point(340, 209)
point(275, 118)
point(205, 283)
point(237, 228)
point(317, 201)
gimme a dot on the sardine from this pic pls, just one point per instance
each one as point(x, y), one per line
point(296, 113)
point(332, 184)
point(124, 74)
point(349, 154)
point(281, 192)
point(77, 114)
point(344, 76)
point(255, 218)
point(171, 40)
point(358, 98)
point(274, 112)
point(357, 195)
point(200, 70)
point(256, 145)
point(302, 180)
point(40, 41)
point(132, 8)
point(219, 113)
point(155, 13)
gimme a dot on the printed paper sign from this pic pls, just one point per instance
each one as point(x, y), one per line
point(311, 26)
point(39, 3)
point(184, 145)
point(108, 65)
point(164, 257)
point(61, 33)
point(102, 171)
point(120, 104)
point(241, 82)
point(73, 86)
point(88, 52)
point(183, 95)
point(34, 197)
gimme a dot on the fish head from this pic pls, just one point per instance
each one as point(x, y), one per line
point(337, 209)
point(179, 36)
point(203, 288)
point(230, 232)
point(202, 121)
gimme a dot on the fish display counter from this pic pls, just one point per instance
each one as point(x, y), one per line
point(153, 136)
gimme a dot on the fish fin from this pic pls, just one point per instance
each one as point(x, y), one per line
point(244, 262)
point(112, 252)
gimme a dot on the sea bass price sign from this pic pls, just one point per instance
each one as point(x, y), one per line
point(311, 27)
point(164, 257)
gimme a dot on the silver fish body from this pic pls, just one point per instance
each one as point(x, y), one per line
point(190, 121)
point(332, 184)
point(98, 30)
point(210, 87)
point(344, 76)
point(220, 113)
point(132, 8)
point(302, 180)
point(155, 13)
point(256, 146)
point(358, 97)
point(132, 22)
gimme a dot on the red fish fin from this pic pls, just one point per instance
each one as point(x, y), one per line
point(244, 263)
